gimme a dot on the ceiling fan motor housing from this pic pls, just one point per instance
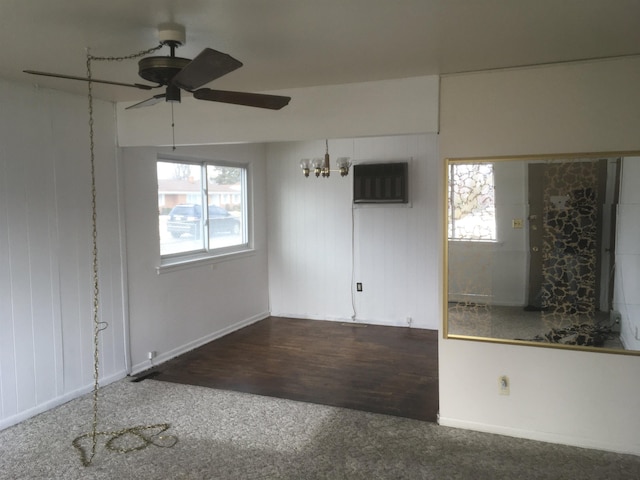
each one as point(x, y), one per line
point(161, 70)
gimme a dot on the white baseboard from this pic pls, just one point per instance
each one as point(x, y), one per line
point(383, 323)
point(541, 436)
point(165, 356)
point(313, 317)
point(55, 402)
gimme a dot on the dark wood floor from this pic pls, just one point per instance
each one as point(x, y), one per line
point(365, 367)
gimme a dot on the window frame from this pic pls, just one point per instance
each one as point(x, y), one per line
point(207, 255)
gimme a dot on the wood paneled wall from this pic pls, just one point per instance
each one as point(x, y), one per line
point(46, 289)
point(318, 240)
point(627, 278)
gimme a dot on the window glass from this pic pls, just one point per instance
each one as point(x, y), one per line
point(202, 208)
point(471, 202)
point(225, 197)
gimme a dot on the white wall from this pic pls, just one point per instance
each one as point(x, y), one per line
point(387, 107)
point(46, 286)
point(627, 268)
point(579, 398)
point(178, 310)
point(395, 248)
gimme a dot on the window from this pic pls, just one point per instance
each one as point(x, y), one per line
point(471, 202)
point(202, 209)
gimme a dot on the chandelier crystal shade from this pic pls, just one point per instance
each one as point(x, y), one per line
point(322, 166)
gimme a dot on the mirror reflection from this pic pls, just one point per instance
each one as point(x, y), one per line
point(545, 250)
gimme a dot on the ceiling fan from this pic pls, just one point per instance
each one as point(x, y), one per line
point(176, 74)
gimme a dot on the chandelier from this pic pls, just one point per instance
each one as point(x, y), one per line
point(322, 166)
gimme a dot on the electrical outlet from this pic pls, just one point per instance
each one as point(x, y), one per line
point(409, 320)
point(151, 355)
point(504, 385)
point(359, 287)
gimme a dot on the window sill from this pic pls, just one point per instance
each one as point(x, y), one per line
point(171, 265)
point(480, 242)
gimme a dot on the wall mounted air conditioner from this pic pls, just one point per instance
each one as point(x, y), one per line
point(381, 182)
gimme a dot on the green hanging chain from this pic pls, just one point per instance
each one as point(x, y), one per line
point(143, 435)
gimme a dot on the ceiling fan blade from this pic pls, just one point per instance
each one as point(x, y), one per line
point(108, 82)
point(149, 101)
point(207, 66)
point(273, 102)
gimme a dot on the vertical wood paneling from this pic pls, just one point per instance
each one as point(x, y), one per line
point(8, 387)
point(19, 263)
point(404, 239)
point(39, 188)
point(74, 252)
point(46, 352)
point(627, 268)
point(310, 259)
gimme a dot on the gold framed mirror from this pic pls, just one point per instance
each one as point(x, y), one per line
point(544, 251)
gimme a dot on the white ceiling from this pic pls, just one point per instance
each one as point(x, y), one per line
point(297, 43)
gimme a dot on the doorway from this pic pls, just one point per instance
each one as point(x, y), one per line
point(566, 213)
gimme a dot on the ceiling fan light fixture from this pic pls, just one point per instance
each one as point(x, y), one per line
point(173, 93)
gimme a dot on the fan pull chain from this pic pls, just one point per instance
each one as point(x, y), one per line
point(119, 59)
point(98, 326)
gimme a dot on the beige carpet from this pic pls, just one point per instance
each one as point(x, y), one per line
point(231, 435)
